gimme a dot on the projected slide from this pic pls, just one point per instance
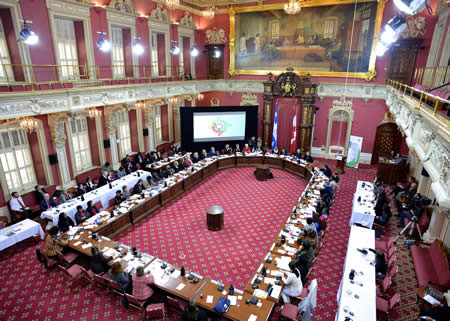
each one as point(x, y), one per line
point(219, 126)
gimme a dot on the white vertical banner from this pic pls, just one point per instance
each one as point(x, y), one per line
point(354, 151)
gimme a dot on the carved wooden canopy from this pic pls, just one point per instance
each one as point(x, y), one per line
point(289, 84)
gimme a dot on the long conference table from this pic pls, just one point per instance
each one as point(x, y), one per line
point(99, 229)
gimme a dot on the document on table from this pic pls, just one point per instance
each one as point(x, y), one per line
point(85, 246)
point(175, 274)
point(209, 299)
point(276, 290)
point(269, 280)
point(283, 263)
point(430, 299)
point(77, 243)
point(233, 299)
point(180, 286)
point(252, 317)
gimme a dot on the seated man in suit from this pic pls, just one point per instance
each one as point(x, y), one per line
point(203, 155)
point(18, 205)
point(47, 203)
point(80, 215)
point(327, 171)
point(103, 180)
point(39, 191)
point(169, 171)
point(213, 152)
point(139, 187)
point(118, 198)
point(125, 192)
point(308, 158)
point(91, 209)
point(81, 189)
point(298, 154)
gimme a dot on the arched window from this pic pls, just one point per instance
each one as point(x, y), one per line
point(15, 156)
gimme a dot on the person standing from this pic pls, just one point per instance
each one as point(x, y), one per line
point(243, 44)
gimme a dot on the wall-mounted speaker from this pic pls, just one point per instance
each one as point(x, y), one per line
point(145, 131)
point(107, 143)
point(53, 159)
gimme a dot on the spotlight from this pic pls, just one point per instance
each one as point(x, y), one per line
point(410, 7)
point(217, 53)
point(27, 35)
point(380, 49)
point(174, 50)
point(194, 52)
point(103, 44)
point(392, 30)
point(137, 48)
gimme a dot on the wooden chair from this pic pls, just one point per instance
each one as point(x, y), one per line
point(48, 263)
point(74, 272)
point(3, 222)
point(386, 306)
point(155, 312)
point(98, 205)
point(176, 303)
point(290, 312)
point(68, 258)
point(134, 302)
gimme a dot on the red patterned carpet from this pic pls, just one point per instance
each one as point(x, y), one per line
point(254, 213)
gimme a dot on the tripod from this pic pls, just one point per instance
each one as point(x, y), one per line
point(410, 225)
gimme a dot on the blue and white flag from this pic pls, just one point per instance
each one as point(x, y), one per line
point(275, 127)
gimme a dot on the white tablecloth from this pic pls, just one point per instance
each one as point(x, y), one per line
point(19, 232)
point(364, 307)
point(103, 194)
point(363, 211)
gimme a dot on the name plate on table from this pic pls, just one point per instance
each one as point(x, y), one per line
point(338, 157)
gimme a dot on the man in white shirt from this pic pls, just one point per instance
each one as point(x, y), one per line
point(18, 205)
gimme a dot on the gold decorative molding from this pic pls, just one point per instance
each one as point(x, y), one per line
point(56, 123)
point(110, 122)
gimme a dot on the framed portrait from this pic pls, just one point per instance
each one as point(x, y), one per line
point(328, 38)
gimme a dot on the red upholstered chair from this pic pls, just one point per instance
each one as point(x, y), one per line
point(48, 263)
point(4, 89)
point(101, 281)
point(390, 252)
point(391, 261)
point(385, 285)
point(68, 258)
point(74, 272)
point(393, 271)
point(44, 86)
point(384, 244)
point(87, 274)
point(17, 88)
point(57, 85)
point(176, 303)
point(112, 202)
point(68, 85)
point(99, 205)
point(114, 286)
point(155, 312)
point(134, 302)
point(290, 312)
point(386, 306)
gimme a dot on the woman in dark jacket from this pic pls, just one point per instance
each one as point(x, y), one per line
point(98, 263)
point(64, 222)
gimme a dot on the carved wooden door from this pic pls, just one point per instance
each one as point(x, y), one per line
point(387, 138)
point(215, 61)
point(402, 60)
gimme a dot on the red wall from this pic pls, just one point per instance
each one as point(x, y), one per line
point(99, 24)
point(11, 39)
point(164, 123)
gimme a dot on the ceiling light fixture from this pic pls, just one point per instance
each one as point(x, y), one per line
point(293, 7)
point(93, 112)
point(174, 49)
point(27, 35)
point(217, 53)
point(172, 3)
point(29, 124)
point(210, 12)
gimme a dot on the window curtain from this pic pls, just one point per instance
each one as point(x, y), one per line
point(187, 55)
point(161, 42)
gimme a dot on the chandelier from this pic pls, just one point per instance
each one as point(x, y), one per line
point(139, 105)
point(293, 7)
point(200, 96)
point(172, 3)
point(173, 100)
point(93, 112)
point(210, 12)
point(29, 124)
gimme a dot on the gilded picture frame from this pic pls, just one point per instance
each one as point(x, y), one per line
point(237, 55)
